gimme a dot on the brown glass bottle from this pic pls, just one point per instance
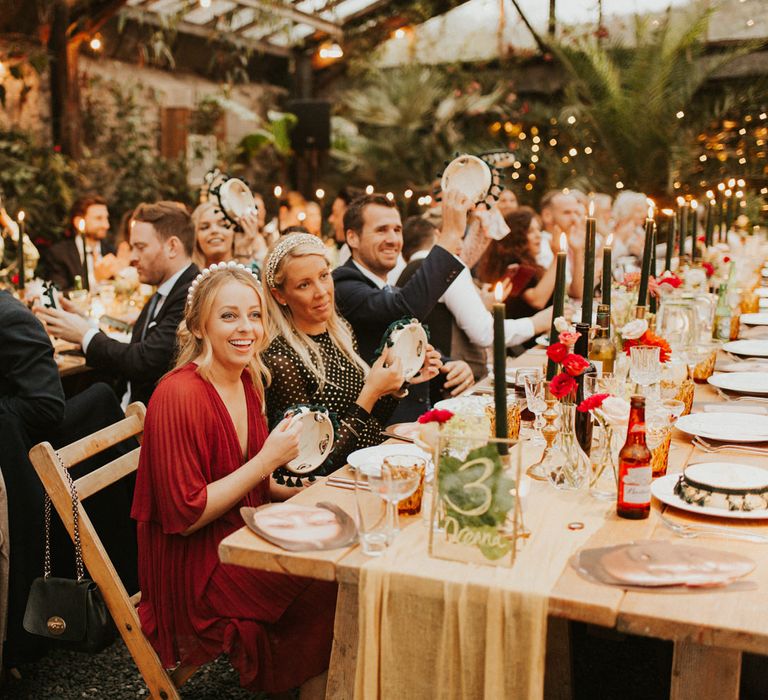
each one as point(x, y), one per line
point(601, 349)
point(634, 488)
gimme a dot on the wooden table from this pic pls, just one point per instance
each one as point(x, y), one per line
point(710, 629)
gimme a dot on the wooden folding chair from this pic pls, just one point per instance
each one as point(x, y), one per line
point(121, 606)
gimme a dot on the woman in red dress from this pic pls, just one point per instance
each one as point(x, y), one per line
point(205, 453)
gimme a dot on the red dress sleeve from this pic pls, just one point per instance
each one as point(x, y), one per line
point(174, 466)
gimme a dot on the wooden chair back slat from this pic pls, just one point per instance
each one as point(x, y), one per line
point(95, 557)
point(99, 441)
point(107, 475)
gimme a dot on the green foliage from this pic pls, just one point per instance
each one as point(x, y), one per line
point(467, 489)
point(38, 180)
point(627, 100)
point(401, 125)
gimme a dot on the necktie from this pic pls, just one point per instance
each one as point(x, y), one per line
point(86, 275)
point(150, 313)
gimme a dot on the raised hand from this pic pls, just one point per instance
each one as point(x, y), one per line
point(282, 444)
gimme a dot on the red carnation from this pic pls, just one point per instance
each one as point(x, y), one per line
point(436, 415)
point(561, 385)
point(592, 402)
point(726, 259)
point(709, 267)
point(575, 364)
point(673, 281)
point(557, 352)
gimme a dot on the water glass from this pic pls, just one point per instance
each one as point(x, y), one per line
point(370, 514)
point(396, 479)
point(677, 322)
point(645, 366)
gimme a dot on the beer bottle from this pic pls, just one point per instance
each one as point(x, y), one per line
point(634, 487)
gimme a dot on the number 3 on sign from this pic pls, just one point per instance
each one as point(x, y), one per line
point(476, 485)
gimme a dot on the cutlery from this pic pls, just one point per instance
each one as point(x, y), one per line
point(728, 397)
point(344, 483)
point(704, 446)
point(402, 438)
point(690, 531)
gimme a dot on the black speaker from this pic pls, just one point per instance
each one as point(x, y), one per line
point(313, 130)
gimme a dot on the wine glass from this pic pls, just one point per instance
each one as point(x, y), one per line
point(645, 366)
point(534, 396)
point(398, 477)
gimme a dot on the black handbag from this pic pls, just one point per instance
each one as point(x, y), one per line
point(69, 611)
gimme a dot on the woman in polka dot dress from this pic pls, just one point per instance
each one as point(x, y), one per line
point(313, 357)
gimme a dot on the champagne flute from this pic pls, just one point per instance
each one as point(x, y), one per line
point(398, 478)
point(534, 396)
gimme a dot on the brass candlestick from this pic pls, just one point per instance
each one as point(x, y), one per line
point(641, 311)
point(549, 431)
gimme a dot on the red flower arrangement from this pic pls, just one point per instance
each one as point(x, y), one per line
point(575, 364)
point(561, 385)
point(436, 415)
point(592, 402)
point(652, 339)
point(672, 280)
point(557, 352)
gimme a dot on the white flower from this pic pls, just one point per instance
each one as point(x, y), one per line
point(634, 329)
point(615, 411)
point(562, 326)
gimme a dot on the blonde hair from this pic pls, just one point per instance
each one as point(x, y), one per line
point(196, 314)
point(281, 321)
point(200, 211)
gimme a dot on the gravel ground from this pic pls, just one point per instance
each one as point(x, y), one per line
point(112, 675)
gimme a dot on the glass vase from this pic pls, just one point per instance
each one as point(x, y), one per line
point(571, 473)
point(604, 465)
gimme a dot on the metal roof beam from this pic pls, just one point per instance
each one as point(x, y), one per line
point(155, 20)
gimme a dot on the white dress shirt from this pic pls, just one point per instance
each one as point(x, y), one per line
point(546, 257)
point(94, 256)
point(463, 301)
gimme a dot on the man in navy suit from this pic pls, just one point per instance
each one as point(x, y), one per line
point(375, 237)
point(85, 248)
point(162, 239)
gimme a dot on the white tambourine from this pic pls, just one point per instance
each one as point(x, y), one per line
point(409, 343)
point(470, 175)
point(235, 199)
point(316, 441)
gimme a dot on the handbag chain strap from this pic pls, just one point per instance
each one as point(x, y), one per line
point(75, 525)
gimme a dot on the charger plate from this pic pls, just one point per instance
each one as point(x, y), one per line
point(316, 441)
point(300, 528)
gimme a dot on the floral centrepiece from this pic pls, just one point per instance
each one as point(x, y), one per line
point(637, 333)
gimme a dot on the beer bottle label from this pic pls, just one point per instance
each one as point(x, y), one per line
point(636, 486)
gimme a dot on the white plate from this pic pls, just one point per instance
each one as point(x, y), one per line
point(315, 443)
point(741, 382)
point(762, 291)
point(663, 489)
point(755, 319)
point(470, 175)
point(726, 427)
point(370, 458)
point(410, 345)
point(750, 348)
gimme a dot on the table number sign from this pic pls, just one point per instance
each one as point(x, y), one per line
point(476, 513)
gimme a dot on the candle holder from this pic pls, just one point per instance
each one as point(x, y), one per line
point(641, 311)
point(651, 318)
point(539, 470)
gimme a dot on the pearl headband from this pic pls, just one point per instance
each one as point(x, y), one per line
point(284, 245)
point(216, 267)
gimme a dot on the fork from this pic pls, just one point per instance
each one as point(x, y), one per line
point(690, 531)
point(728, 397)
point(704, 446)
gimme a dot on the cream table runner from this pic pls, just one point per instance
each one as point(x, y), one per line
point(431, 628)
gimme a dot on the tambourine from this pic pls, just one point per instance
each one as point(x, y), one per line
point(473, 176)
point(408, 340)
point(232, 196)
point(316, 441)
